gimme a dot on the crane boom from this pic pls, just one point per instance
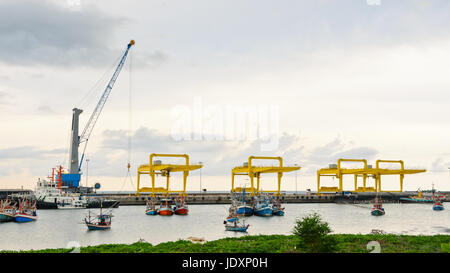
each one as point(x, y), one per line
point(84, 137)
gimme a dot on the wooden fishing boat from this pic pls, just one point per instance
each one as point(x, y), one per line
point(437, 201)
point(7, 211)
point(180, 207)
point(438, 205)
point(101, 221)
point(26, 212)
point(262, 207)
point(277, 209)
point(243, 208)
point(151, 208)
point(237, 226)
point(164, 208)
point(377, 209)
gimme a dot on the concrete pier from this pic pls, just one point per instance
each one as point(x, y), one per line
point(225, 198)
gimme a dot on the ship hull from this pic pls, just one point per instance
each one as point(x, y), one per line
point(97, 227)
point(237, 229)
point(6, 217)
point(244, 210)
point(165, 211)
point(21, 218)
point(181, 211)
point(265, 212)
point(151, 212)
point(278, 212)
point(377, 212)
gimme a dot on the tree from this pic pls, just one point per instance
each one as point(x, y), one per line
point(313, 235)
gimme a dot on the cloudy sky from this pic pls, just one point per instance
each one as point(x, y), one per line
point(350, 79)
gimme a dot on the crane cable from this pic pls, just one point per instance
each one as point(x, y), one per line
point(128, 176)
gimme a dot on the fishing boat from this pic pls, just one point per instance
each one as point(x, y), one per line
point(164, 208)
point(236, 225)
point(243, 208)
point(277, 209)
point(180, 207)
point(26, 212)
point(263, 207)
point(377, 209)
point(438, 205)
point(232, 214)
point(7, 211)
point(101, 221)
point(437, 201)
point(419, 198)
point(151, 208)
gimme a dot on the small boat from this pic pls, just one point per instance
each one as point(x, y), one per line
point(151, 208)
point(26, 212)
point(164, 208)
point(277, 209)
point(180, 207)
point(244, 208)
point(236, 226)
point(377, 209)
point(263, 207)
point(438, 205)
point(7, 211)
point(101, 221)
point(232, 215)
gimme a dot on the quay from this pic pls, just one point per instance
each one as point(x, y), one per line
point(204, 198)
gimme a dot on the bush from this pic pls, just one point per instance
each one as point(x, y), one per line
point(313, 235)
point(445, 248)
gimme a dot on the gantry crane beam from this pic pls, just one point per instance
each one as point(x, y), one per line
point(365, 172)
point(153, 169)
point(256, 171)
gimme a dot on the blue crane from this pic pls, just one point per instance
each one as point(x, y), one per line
point(73, 178)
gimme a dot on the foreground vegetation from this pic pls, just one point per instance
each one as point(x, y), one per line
point(346, 243)
point(310, 234)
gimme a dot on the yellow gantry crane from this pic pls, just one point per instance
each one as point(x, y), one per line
point(256, 171)
point(335, 170)
point(157, 168)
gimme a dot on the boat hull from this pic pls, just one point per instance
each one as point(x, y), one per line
point(438, 207)
point(6, 217)
point(244, 210)
point(165, 211)
point(181, 211)
point(237, 229)
point(21, 218)
point(377, 212)
point(278, 212)
point(415, 200)
point(151, 212)
point(265, 212)
point(97, 227)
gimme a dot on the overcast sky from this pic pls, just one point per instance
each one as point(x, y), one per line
point(349, 79)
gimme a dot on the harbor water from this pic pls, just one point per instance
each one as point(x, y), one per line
point(57, 228)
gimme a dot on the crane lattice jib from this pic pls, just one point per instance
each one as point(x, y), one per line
point(98, 109)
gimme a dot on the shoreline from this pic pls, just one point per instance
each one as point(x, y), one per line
point(347, 243)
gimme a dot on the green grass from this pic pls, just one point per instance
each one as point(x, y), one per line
point(347, 243)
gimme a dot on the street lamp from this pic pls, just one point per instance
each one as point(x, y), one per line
point(295, 179)
point(201, 163)
point(87, 171)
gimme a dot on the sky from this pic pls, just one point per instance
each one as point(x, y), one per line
point(311, 81)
